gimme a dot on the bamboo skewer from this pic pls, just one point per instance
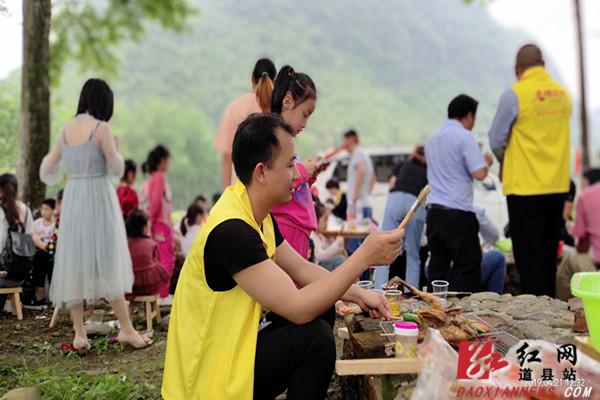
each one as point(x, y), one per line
point(419, 202)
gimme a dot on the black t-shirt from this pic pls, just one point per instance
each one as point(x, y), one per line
point(411, 177)
point(341, 209)
point(232, 246)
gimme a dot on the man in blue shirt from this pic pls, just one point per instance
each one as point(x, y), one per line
point(453, 160)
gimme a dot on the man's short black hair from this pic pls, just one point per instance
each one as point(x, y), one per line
point(50, 203)
point(351, 134)
point(59, 195)
point(256, 142)
point(461, 106)
point(332, 184)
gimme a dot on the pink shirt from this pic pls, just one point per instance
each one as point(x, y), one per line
point(587, 220)
point(156, 199)
point(234, 115)
point(300, 211)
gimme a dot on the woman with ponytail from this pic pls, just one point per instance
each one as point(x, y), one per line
point(157, 201)
point(258, 100)
point(295, 98)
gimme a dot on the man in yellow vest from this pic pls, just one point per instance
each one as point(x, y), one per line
point(239, 264)
point(531, 138)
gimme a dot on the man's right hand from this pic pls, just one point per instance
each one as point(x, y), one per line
point(489, 158)
point(381, 248)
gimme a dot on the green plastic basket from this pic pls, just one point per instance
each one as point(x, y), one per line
point(586, 285)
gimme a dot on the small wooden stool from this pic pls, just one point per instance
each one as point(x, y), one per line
point(152, 309)
point(88, 310)
point(15, 300)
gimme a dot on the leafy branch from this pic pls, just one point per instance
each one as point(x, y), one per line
point(89, 32)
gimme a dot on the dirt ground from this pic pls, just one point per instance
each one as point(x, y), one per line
point(30, 356)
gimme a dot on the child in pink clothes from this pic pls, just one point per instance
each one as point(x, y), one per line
point(295, 97)
point(297, 219)
point(156, 201)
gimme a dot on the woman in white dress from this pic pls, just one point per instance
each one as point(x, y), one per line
point(92, 258)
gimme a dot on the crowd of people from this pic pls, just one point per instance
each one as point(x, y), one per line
point(253, 302)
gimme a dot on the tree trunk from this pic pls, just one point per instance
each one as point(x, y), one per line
point(585, 150)
point(34, 137)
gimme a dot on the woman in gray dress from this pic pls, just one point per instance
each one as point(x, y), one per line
point(92, 258)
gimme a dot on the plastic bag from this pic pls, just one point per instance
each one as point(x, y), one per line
point(438, 368)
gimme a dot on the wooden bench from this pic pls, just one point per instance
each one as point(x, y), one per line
point(15, 300)
point(151, 307)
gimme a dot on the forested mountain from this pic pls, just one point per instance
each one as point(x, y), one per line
point(387, 68)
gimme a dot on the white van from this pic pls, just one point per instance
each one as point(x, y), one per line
point(487, 194)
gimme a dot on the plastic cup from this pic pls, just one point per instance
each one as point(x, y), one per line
point(97, 317)
point(393, 297)
point(586, 285)
point(440, 289)
point(365, 284)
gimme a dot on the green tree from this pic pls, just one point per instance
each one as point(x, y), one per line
point(9, 124)
point(87, 32)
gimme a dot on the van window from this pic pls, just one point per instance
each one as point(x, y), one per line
point(384, 167)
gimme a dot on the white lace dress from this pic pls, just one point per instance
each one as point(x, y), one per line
point(92, 259)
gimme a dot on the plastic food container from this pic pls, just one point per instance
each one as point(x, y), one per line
point(406, 339)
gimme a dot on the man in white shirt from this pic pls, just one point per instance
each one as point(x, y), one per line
point(361, 178)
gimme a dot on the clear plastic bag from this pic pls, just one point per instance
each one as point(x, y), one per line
point(438, 368)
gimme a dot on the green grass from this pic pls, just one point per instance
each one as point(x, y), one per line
point(83, 386)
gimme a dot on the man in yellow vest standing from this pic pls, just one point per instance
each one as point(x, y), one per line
point(530, 136)
point(240, 263)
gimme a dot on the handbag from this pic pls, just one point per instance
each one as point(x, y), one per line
point(17, 256)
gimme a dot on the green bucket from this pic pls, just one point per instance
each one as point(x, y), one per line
point(586, 285)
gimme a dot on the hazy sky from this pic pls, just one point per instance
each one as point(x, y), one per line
point(550, 22)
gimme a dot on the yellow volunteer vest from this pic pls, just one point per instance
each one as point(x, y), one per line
point(537, 157)
point(212, 336)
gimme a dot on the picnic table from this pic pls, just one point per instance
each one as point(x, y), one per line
point(347, 234)
point(367, 372)
point(364, 370)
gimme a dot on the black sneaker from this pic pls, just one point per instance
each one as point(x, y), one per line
point(33, 304)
